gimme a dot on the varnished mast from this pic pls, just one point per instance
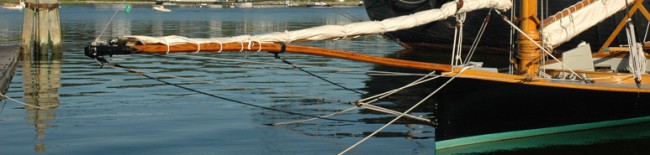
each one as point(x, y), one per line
point(528, 55)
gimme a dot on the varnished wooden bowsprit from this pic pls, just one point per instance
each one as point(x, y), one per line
point(611, 82)
point(275, 48)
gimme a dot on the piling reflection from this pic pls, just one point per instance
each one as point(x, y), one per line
point(41, 81)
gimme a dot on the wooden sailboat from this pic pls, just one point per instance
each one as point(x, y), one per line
point(576, 92)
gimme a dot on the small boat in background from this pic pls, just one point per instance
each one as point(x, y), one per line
point(318, 4)
point(160, 8)
point(14, 6)
point(243, 4)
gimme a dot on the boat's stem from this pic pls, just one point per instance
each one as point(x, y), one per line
point(528, 55)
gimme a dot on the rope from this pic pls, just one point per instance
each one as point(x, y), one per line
point(106, 26)
point(223, 98)
point(405, 112)
point(481, 30)
point(453, 49)
point(314, 75)
point(512, 38)
point(346, 15)
point(166, 43)
point(388, 93)
point(311, 119)
point(221, 83)
point(458, 40)
point(538, 45)
point(388, 111)
point(636, 59)
point(4, 103)
point(382, 95)
point(23, 103)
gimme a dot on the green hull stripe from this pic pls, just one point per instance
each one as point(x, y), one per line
point(451, 143)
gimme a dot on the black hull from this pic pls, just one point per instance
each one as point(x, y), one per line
point(470, 107)
point(497, 33)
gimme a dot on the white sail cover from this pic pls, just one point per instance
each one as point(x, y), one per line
point(569, 26)
point(342, 31)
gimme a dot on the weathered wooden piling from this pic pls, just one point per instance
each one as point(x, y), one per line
point(41, 25)
point(41, 82)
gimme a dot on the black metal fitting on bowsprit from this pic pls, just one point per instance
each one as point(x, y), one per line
point(97, 50)
point(283, 48)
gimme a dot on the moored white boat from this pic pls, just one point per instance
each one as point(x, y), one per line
point(160, 8)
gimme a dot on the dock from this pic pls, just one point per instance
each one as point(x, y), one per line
point(8, 62)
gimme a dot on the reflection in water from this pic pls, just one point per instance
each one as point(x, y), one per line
point(140, 116)
point(41, 81)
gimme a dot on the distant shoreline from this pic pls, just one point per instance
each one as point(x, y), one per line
point(263, 3)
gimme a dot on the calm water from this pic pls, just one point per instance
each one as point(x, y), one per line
point(111, 111)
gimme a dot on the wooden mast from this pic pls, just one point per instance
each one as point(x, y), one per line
point(528, 55)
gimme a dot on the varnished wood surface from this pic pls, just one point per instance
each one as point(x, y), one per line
point(623, 84)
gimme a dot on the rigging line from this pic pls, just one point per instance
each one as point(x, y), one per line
point(221, 83)
point(407, 111)
point(346, 15)
point(538, 45)
point(4, 103)
point(478, 39)
point(388, 93)
point(303, 66)
point(23, 103)
point(378, 97)
point(314, 75)
point(224, 98)
point(315, 118)
point(512, 38)
point(388, 111)
point(106, 26)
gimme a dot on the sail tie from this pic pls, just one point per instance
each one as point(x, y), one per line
point(166, 43)
point(220, 44)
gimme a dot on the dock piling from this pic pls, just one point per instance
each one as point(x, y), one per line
point(41, 25)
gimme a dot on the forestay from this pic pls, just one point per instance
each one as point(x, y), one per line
point(328, 32)
point(568, 26)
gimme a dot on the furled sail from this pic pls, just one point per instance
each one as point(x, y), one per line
point(341, 31)
point(572, 21)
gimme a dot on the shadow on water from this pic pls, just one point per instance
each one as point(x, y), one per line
point(405, 99)
point(41, 81)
